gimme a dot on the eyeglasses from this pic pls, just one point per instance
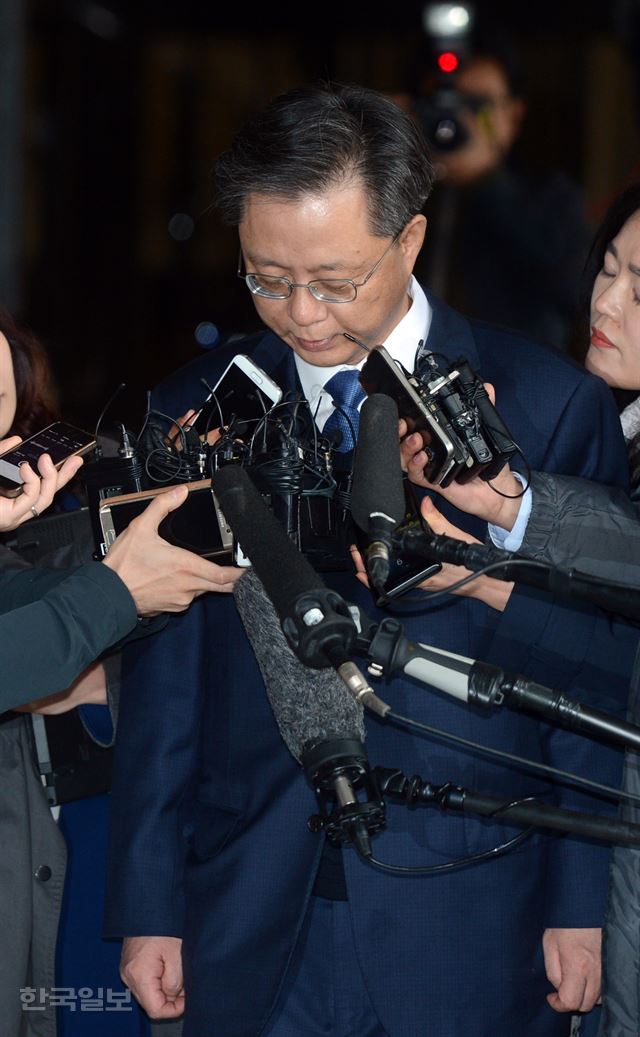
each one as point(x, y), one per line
point(326, 289)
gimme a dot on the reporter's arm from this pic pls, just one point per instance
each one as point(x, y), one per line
point(581, 524)
point(48, 642)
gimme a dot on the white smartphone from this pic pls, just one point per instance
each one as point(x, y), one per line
point(243, 391)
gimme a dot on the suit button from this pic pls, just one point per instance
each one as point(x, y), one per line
point(43, 873)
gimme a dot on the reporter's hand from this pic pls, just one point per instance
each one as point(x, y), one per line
point(475, 497)
point(495, 593)
point(160, 577)
point(151, 966)
point(38, 490)
point(186, 422)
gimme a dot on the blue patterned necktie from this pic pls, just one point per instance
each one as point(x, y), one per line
point(347, 393)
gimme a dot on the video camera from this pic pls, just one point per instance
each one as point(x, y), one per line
point(442, 113)
point(447, 403)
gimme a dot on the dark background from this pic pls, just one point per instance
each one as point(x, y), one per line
point(113, 113)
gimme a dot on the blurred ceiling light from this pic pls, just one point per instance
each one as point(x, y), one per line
point(447, 20)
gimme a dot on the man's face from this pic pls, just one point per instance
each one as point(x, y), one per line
point(328, 235)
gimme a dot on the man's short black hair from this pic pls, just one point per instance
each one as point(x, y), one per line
point(308, 140)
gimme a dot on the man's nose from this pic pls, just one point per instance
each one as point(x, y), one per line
point(305, 309)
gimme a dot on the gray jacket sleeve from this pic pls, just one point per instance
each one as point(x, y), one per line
point(53, 625)
point(579, 524)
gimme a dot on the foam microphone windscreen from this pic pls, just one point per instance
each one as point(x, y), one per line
point(310, 706)
point(283, 570)
point(377, 475)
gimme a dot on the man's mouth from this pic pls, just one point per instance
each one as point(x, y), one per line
point(316, 345)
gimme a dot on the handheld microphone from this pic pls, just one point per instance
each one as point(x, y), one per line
point(570, 584)
point(322, 727)
point(316, 621)
point(377, 497)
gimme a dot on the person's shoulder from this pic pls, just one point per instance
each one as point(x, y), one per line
point(515, 348)
point(536, 373)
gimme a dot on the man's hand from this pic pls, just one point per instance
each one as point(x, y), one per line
point(573, 966)
point(152, 967)
point(160, 577)
point(89, 688)
point(37, 491)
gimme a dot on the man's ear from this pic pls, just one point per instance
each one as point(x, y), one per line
point(412, 238)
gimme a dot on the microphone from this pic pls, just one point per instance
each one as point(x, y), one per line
point(377, 497)
point(485, 685)
point(570, 584)
point(322, 727)
point(316, 621)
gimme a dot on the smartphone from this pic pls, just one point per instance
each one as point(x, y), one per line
point(198, 525)
point(406, 571)
point(382, 374)
point(244, 391)
point(59, 440)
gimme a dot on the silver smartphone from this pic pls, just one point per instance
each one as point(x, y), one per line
point(59, 440)
point(198, 525)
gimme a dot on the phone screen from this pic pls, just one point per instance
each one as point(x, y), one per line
point(235, 395)
point(59, 440)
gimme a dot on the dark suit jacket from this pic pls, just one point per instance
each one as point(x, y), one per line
point(210, 839)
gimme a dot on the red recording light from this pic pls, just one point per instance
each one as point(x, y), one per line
point(447, 61)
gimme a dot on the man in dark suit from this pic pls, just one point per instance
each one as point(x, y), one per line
point(231, 905)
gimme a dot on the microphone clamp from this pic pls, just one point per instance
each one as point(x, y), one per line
point(351, 806)
point(320, 628)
